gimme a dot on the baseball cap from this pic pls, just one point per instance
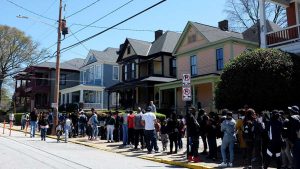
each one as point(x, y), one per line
point(294, 109)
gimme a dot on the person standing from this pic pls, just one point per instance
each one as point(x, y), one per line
point(149, 120)
point(138, 129)
point(212, 136)
point(173, 132)
point(110, 125)
point(193, 132)
point(33, 120)
point(23, 121)
point(51, 122)
point(229, 136)
point(130, 121)
point(153, 107)
point(202, 120)
point(82, 123)
point(125, 128)
point(44, 125)
point(94, 123)
point(296, 147)
point(67, 127)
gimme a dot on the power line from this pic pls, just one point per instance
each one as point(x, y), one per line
point(113, 11)
point(95, 21)
point(97, 34)
point(30, 11)
point(121, 29)
point(79, 41)
point(83, 9)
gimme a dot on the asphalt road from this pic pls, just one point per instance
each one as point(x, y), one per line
point(20, 152)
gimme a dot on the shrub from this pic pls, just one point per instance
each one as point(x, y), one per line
point(261, 78)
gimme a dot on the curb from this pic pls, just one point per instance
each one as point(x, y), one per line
point(159, 160)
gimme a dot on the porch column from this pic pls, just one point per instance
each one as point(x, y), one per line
point(66, 98)
point(213, 107)
point(175, 98)
point(108, 98)
point(70, 97)
point(81, 96)
point(262, 23)
point(159, 98)
point(193, 95)
point(61, 99)
point(117, 100)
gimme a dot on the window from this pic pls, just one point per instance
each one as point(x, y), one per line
point(126, 72)
point(132, 70)
point(92, 74)
point(193, 65)
point(220, 59)
point(62, 79)
point(172, 67)
point(114, 99)
point(98, 72)
point(192, 38)
point(115, 72)
point(128, 50)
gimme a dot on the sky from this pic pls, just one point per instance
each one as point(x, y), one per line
point(41, 22)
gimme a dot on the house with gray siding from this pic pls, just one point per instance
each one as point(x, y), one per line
point(98, 72)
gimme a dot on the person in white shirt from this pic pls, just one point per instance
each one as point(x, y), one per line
point(149, 120)
point(153, 107)
point(68, 124)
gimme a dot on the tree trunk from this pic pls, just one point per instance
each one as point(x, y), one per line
point(1, 82)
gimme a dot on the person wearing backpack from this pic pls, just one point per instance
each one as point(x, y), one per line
point(247, 134)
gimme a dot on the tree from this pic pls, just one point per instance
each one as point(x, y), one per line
point(242, 14)
point(262, 78)
point(16, 52)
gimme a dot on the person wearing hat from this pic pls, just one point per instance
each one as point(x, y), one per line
point(193, 133)
point(229, 136)
point(149, 120)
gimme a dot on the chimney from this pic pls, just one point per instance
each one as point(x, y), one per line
point(121, 47)
point(158, 34)
point(223, 25)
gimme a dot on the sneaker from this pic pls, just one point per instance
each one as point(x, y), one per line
point(149, 152)
point(230, 165)
point(156, 151)
point(223, 164)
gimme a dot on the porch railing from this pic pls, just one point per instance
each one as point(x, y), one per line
point(284, 36)
point(92, 105)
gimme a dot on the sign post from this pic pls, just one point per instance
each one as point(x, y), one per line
point(187, 97)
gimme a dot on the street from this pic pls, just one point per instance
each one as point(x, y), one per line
point(18, 151)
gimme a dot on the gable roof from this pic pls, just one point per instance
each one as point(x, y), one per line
point(213, 34)
point(52, 65)
point(252, 33)
point(165, 43)
point(108, 56)
point(140, 47)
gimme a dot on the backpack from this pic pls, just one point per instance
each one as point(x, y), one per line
point(82, 119)
point(248, 129)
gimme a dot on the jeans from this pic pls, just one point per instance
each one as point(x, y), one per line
point(110, 132)
point(125, 134)
point(139, 136)
point(227, 143)
point(204, 140)
point(94, 131)
point(66, 135)
point(43, 133)
point(32, 128)
point(287, 159)
point(82, 129)
point(212, 145)
point(150, 138)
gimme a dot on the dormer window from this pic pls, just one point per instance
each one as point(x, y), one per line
point(128, 50)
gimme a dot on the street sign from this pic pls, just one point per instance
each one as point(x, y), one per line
point(186, 80)
point(186, 87)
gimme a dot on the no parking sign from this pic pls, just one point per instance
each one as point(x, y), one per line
point(186, 87)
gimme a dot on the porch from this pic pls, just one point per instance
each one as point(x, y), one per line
point(86, 96)
point(203, 93)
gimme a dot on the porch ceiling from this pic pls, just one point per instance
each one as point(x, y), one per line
point(284, 3)
point(202, 79)
point(81, 87)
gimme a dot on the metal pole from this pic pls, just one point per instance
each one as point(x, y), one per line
point(56, 90)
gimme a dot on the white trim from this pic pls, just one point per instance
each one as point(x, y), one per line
point(82, 87)
point(262, 21)
point(102, 99)
point(114, 72)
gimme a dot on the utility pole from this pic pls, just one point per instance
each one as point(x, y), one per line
point(56, 90)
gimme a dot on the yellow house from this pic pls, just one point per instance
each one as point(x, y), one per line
point(201, 51)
